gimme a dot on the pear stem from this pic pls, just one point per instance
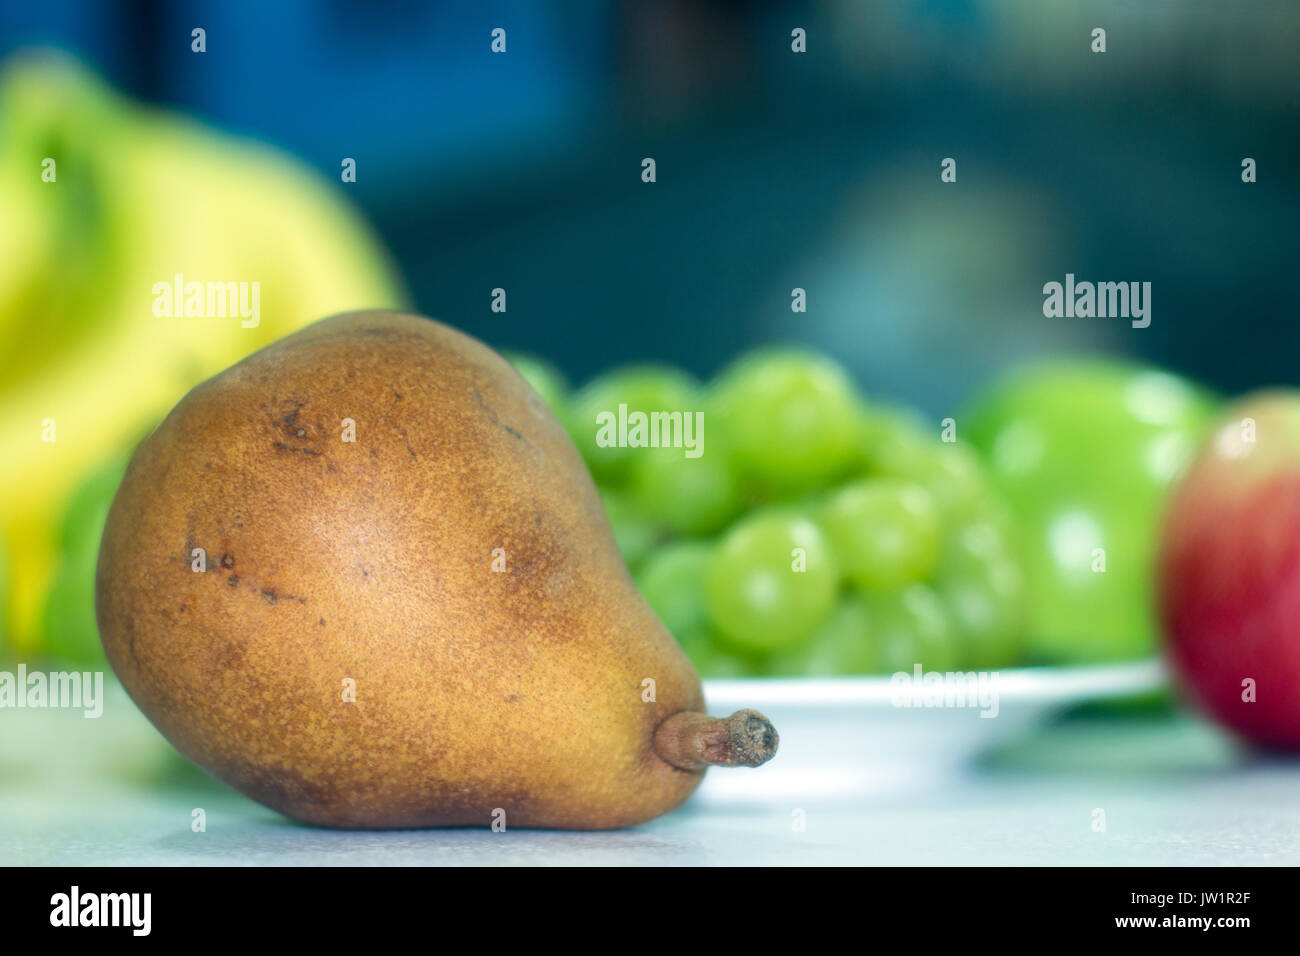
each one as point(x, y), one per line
point(694, 741)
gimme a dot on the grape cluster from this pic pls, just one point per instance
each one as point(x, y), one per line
point(816, 534)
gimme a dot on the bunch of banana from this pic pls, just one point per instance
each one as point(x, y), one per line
point(90, 358)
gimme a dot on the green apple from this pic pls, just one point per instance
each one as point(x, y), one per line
point(1084, 453)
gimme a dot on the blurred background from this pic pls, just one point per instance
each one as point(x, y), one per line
point(522, 171)
point(775, 170)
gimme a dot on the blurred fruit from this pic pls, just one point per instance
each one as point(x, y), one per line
point(771, 580)
point(895, 442)
point(951, 471)
point(982, 585)
point(877, 634)
point(911, 627)
point(546, 380)
point(634, 531)
point(672, 582)
point(1083, 453)
point(1229, 571)
point(885, 533)
point(842, 645)
point(714, 658)
point(69, 632)
point(5, 650)
point(792, 417)
point(869, 492)
point(642, 388)
point(690, 496)
point(140, 197)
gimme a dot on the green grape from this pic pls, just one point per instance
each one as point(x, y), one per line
point(690, 496)
point(955, 477)
point(842, 645)
point(976, 544)
point(950, 471)
point(912, 627)
point(793, 418)
point(671, 579)
point(644, 389)
point(712, 658)
point(876, 634)
point(989, 623)
point(545, 379)
point(634, 532)
point(896, 442)
point(993, 511)
point(983, 587)
point(885, 533)
point(771, 580)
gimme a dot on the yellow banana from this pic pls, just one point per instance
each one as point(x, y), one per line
point(173, 198)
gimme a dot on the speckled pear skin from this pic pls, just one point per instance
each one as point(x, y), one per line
point(372, 561)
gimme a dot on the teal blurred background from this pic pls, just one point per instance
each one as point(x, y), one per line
point(777, 170)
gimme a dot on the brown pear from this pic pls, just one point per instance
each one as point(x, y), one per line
point(364, 577)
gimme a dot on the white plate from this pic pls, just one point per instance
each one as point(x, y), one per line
point(848, 736)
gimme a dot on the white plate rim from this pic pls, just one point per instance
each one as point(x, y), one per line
point(1060, 685)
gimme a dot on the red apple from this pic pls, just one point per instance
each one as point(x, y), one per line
point(1229, 572)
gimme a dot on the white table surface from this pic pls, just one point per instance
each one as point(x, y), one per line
point(1173, 791)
